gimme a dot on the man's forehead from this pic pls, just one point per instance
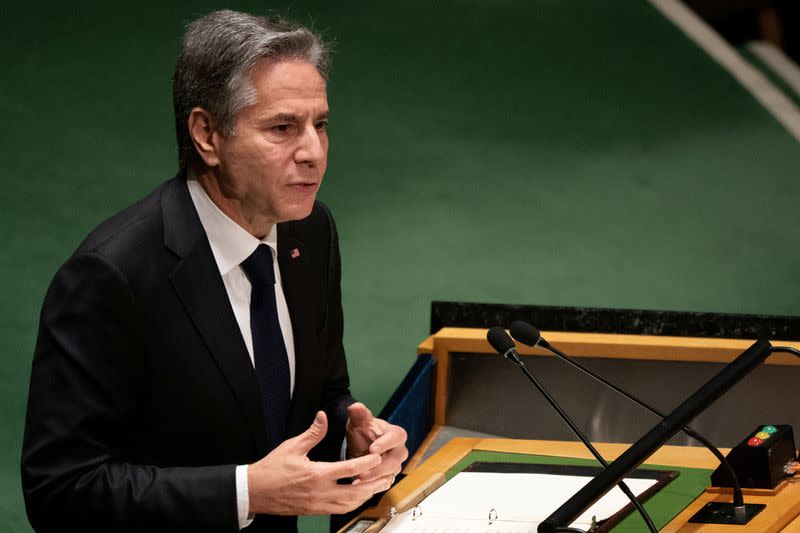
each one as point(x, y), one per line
point(290, 79)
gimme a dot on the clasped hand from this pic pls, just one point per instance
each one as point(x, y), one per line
point(287, 482)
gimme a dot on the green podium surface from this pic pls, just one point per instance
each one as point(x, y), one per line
point(662, 507)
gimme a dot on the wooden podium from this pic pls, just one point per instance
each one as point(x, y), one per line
point(474, 391)
point(781, 515)
point(465, 384)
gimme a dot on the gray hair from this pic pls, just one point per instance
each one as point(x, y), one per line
point(218, 53)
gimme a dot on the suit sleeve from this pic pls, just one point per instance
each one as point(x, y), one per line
point(85, 398)
point(336, 397)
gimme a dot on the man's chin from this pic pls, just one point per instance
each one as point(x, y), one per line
point(298, 212)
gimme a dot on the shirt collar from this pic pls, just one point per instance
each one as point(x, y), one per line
point(230, 243)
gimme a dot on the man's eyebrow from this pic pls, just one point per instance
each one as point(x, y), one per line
point(283, 117)
point(291, 117)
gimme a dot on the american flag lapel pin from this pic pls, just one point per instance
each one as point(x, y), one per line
point(295, 253)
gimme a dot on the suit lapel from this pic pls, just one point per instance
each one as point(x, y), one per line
point(199, 285)
point(294, 263)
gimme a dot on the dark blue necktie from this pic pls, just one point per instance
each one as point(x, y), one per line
point(269, 351)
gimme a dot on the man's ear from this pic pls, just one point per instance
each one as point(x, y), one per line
point(205, 136)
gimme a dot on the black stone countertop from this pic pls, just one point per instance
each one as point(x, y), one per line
point(630, 321)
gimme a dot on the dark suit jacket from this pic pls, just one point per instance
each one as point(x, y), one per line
point(143, 397)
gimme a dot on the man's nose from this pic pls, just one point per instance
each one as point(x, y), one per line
point(312, 147)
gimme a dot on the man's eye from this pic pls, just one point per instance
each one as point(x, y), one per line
point(281, 128)
point(321, 125)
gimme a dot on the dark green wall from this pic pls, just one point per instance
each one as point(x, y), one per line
point(540, 152)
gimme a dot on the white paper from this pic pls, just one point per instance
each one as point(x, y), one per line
point(517, 502)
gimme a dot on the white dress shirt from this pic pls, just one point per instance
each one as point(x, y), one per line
point(231, 244)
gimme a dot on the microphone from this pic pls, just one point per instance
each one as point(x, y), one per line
point(737, 511)
point(528, 335)
point(504, 345)
point(656, 437)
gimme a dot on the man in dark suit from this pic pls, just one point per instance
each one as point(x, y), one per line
point(189, 371)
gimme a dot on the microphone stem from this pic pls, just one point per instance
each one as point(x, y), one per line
point(785, 349)
point(623, 487)
point(738, 497)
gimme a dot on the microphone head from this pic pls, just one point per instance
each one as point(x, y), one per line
point(525, 333)
point(499, 340)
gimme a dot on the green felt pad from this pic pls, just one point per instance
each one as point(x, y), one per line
point(662, 507)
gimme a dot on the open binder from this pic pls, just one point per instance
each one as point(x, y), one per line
point(515, 497)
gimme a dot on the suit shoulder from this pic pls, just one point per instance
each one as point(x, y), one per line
point(127, 230)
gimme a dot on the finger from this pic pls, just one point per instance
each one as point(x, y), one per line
point(392, 437)
point(365, 489)
point(358, 414)
point(313, 435)
point(378, 485)
point(350, 497)
point(350, 467)
point(342, 499)
point(391, 465)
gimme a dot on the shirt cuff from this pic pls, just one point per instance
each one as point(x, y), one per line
point(243, 497)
